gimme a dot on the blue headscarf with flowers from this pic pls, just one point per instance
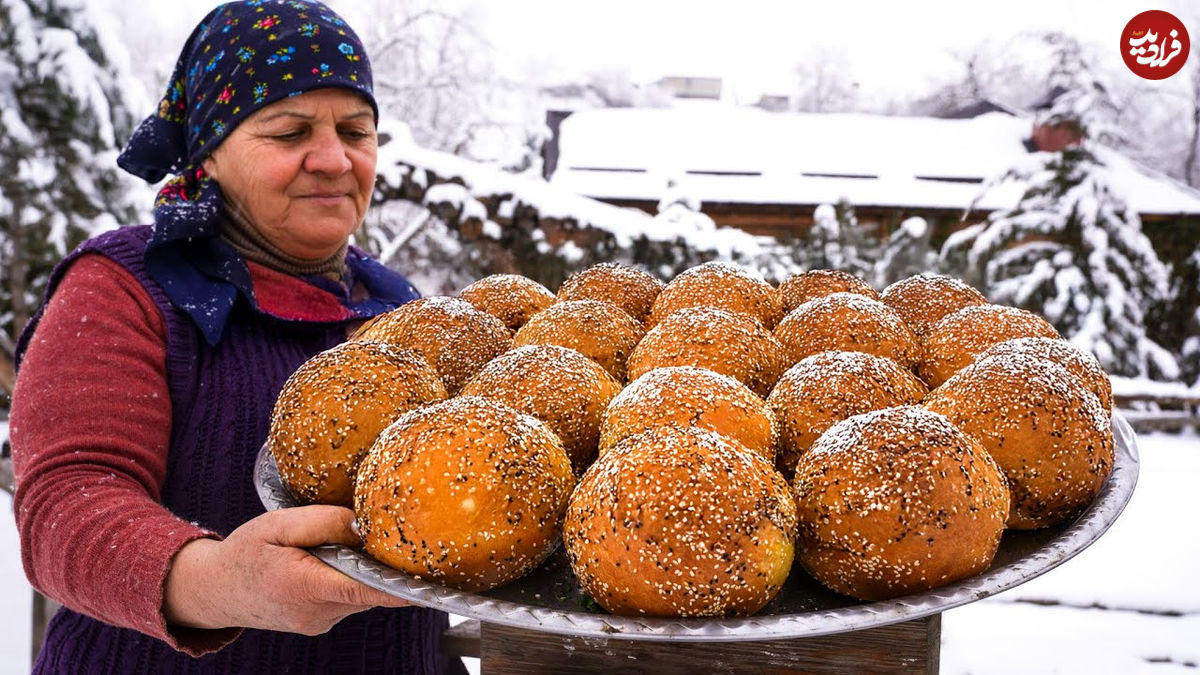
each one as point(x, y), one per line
point(240, 58)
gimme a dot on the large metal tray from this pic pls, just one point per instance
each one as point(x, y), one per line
point(549, 599)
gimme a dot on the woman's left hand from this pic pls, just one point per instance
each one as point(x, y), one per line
point(261, 576)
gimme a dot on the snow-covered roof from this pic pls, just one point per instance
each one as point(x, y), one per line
point(734, 154)
point(466, 183)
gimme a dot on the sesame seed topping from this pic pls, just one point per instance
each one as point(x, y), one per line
point(847, 322)
point(706, 337)
point(680, 522)
point(511, 298)
point(561, 387)
point(505, 470)
point(959, 338)
point(331, 409)
point(896, 501)
point(800, 288)
point(629, 288)
point(687, 396)
point(454, 337)
point(721, 285)
point(598, 330)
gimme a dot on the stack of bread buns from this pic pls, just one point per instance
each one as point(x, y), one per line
point(687, 441)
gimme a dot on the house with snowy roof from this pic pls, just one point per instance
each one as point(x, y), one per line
point(766, 172)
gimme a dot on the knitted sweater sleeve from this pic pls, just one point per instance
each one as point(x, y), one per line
point(90, 429)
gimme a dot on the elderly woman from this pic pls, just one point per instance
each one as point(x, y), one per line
point(147, 380)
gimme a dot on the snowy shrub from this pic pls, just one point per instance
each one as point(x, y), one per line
point(834, 242)
point(679, 207)
point(906, 252)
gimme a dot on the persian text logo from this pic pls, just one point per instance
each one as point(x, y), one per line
point(1155, 44)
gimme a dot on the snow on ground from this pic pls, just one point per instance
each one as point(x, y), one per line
point(998, 638)
point(16, 598)
point(1142, 571)
point(1128, 604)
point(1125, 386)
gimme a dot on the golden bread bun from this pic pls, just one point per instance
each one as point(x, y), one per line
point(729, 343)
point(959, 338)
point(626, 287)
point(467, 492)
point(680, 522)
point(721, 285)
point(331, 409)
point(454, 337)
point(800, 288)
point(561, 387)
point(826, 388)
point(1049, 434)
point(685, 396)
point(924, 299)
point(897, 501)
point(511, 298)
point(1081, 364)
point(598, 330)
point(847, 322)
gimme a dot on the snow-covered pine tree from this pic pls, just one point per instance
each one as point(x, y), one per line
point(64, 111)
point(906, 252)
point(1072, 249)
point(1078, 94)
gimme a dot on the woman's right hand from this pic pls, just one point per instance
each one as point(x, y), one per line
point(260, 576)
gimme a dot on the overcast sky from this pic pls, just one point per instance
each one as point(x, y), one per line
point(758, 42)
point(889, 47)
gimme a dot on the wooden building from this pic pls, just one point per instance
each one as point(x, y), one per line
point(766, 172)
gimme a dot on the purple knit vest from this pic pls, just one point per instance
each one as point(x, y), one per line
point(222, 398)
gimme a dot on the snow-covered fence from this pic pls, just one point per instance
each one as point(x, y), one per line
point(1157, 406)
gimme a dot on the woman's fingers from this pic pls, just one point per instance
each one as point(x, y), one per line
point(307, 526)
point(342, 590)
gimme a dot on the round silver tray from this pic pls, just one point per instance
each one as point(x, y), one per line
point(548, 599)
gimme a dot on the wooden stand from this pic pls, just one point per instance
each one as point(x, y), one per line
point(909, 647)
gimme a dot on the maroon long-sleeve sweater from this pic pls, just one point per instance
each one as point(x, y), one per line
point(92, 415)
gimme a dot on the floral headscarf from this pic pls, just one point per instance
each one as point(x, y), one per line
point(240, 58)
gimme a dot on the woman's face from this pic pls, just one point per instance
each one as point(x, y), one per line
point(302, 170)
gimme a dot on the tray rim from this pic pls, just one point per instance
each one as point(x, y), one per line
point(1081, 533)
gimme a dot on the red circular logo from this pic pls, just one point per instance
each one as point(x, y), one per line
point(1155, 44)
